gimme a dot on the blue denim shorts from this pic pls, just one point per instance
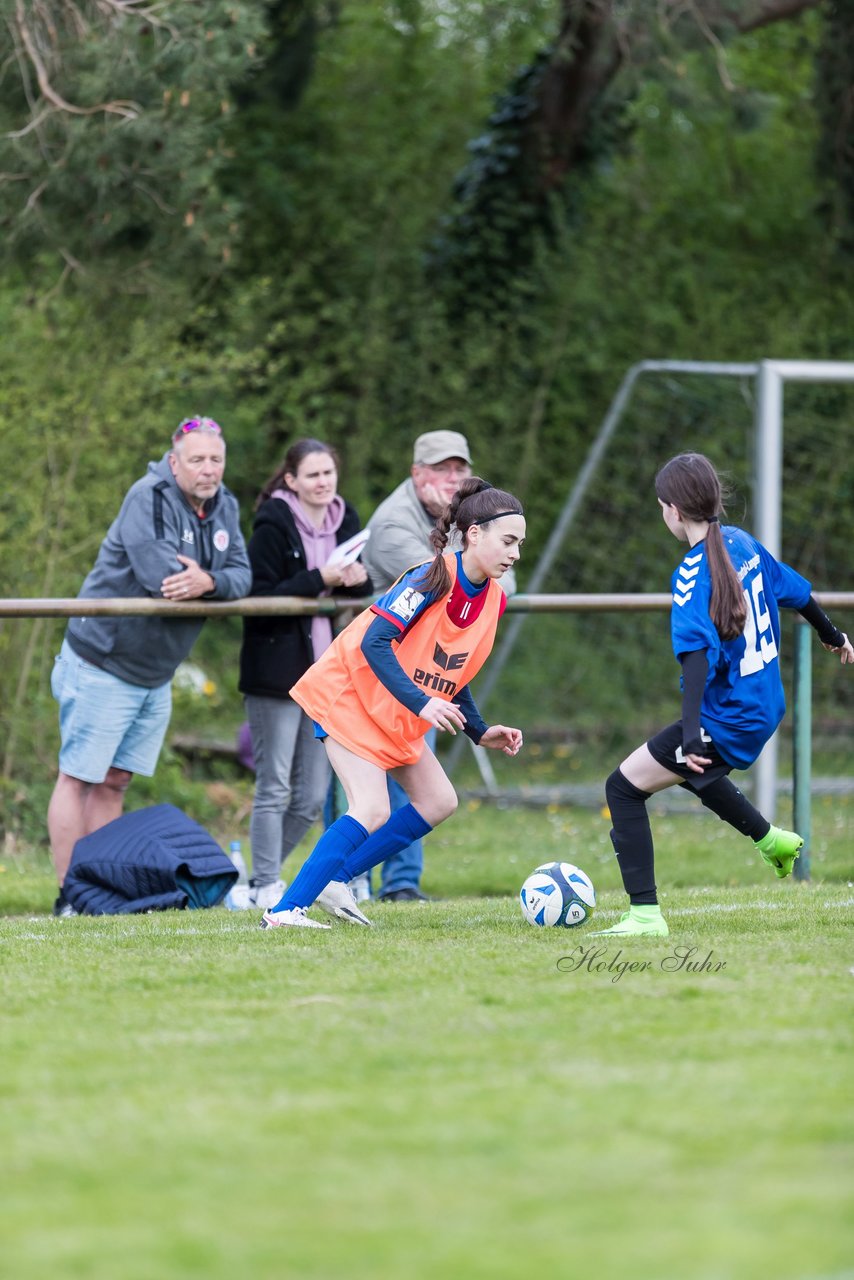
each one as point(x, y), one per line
point(104, 721)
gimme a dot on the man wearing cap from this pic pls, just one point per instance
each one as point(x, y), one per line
point(400, 538)
point(176, 537)
point(401, 525)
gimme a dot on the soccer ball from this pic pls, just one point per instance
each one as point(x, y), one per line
point(557, 893)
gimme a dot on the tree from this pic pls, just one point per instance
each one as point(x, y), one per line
point(113, 133)
point(564, 113)
point(835, 99)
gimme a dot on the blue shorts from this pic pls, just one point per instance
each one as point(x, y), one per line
point(104, 721)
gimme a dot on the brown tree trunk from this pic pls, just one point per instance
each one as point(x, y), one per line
point(586, 59)
point(595, 42)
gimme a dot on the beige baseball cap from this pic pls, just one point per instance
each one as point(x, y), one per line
point(437, 446)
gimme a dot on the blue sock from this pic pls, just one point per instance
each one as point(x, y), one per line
point(404, 826)
point(338, 842)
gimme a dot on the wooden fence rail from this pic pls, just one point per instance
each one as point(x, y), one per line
point(297, 606)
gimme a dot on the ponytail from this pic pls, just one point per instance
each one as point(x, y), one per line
point(475, 502)
point(727, 608)
point(690, 483)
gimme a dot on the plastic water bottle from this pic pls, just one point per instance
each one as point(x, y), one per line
point(236, 855)
point(238, 897)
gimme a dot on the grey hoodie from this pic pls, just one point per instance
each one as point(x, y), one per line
point(156, 523)
point(400, 539)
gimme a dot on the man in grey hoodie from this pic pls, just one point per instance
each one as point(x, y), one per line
point(176, 537)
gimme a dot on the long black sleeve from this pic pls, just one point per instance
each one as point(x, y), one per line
point(476, 726)
point(828, 633)
point(695, 669)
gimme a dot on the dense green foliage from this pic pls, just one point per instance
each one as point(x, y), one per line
point(328, 181)
point(116, 171)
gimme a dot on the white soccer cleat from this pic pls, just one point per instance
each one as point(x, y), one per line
point(267, 895)
point(337, 900)
point(295, 918)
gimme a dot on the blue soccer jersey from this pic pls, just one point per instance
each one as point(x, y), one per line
point(743, 701)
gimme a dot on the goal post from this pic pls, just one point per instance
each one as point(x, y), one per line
point(768, 500)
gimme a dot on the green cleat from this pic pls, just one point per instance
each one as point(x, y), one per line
point(779, 849)
point(637, 922)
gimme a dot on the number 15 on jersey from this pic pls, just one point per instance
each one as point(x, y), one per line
point(760, 647)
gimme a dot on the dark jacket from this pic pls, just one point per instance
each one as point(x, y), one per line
point(156, 523)
point(148, 860)
point(276, 651)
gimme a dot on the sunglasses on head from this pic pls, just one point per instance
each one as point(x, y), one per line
point(196, 424)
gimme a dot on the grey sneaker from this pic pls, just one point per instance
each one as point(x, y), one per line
point(361, 887)
point(337, 900)
point(267, 896)
point(62, 908)
point(239, 898)
point(295, 918)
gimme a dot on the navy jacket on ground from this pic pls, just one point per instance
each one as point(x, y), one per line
point(148, 860)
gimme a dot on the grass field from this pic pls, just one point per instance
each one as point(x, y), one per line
point(185, 1095)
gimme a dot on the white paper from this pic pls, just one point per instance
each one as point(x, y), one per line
point(350, 550)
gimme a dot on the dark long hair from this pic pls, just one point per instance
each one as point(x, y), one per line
point(475, 502)
point(691, 484)
point(290, 465)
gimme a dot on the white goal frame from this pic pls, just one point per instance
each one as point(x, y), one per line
point(768, 498)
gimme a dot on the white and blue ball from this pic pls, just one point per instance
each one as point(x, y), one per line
point(557, 894)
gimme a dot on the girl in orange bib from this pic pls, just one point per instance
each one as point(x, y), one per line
point(399, 669)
